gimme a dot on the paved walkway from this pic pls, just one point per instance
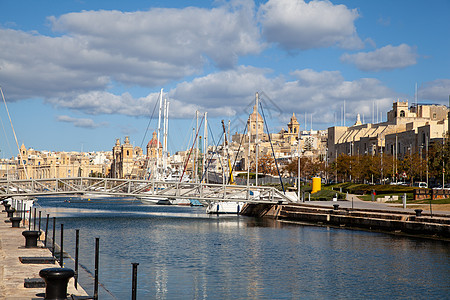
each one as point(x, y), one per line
point(13, 272)
point(360, 204)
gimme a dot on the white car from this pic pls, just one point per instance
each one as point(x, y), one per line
point(422, 185)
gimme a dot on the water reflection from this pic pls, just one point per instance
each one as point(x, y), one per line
point(185, 254)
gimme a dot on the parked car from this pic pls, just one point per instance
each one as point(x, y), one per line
point(422, 185)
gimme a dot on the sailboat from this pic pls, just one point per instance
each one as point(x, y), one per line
point(225, 207)
point(158, 172)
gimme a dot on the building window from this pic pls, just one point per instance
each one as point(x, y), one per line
point(402, 113)
point(434, 116)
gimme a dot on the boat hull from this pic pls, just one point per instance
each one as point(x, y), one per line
point(224, 207)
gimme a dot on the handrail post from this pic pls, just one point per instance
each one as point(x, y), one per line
point(77, 245)
point(39, 225)
point(46, 231)
point(97, 242)
point(34, 219)
point(134, 281)
point(61, 255)
point(53, 240)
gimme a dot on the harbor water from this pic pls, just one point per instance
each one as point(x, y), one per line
point(183, 253)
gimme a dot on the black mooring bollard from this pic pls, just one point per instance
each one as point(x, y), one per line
point(134, 281)
point(335, 206)
point(77, 246)
point(31, 237)
point(97, 248)
point(56, 280)
point(10, 212)
point(418, 212)
point(61, 255)
point(15, 221)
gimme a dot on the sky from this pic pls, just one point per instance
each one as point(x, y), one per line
point(77, 75)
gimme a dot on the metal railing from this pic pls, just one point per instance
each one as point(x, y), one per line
point(204, 192)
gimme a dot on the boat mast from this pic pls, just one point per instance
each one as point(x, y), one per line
point(205, 148)
point(15, 137)
point(158, 136)
point(166, 128)
point(256, 138)
point(298, 165)
point(196, 149)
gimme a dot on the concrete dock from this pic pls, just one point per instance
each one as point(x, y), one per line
point(355, 213)
point(13, 272)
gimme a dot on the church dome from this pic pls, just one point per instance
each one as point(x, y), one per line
point(154, 142)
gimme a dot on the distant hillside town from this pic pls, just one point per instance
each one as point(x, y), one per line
point(408, 130)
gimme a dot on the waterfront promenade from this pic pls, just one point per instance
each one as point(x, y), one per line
point(442, 209)
point(13, 272)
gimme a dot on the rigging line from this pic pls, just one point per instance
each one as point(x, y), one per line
point(188, 136)
point(148, 125)
point(14, 132)
point(271, 145)
point(239, 149)
point(222, 149)
point(192, 148)
point(212, 154)
point(6, 136)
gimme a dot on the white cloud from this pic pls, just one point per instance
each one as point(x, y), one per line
point(175, 36)
point(231, 93)
point(437, 91)
point(80, 122)
point(386, 58)
point(295, 24)
point(146, 48)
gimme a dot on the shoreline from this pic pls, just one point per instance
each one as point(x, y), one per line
point(357, 214)
point(13, 273)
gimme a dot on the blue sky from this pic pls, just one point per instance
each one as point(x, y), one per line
point(78, 74)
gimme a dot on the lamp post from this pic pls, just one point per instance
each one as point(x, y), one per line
point(298, 167)
point(426, 148)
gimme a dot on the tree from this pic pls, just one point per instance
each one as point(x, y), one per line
point(266, 165)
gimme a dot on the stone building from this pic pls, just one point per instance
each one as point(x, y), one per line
point(33, 164)
point(407, 129)
point(127, 160)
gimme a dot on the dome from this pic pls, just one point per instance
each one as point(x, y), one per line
point(154, 142)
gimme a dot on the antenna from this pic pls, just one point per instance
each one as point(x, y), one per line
point(344, 112)
point(415, 97)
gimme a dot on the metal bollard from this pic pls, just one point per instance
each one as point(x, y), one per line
point(97, 246)
point(34, 219)
point(418, 212)
point(39, 227)
point(46, 231)
point(31, 237)
point(15, 222)
point(24, 213)
point(56, 280)
point(29, 220)
point(61, 255)
point(77, 246)
point(53, 239)
point(134, 281)
point(10, 212)
point(335, 206)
